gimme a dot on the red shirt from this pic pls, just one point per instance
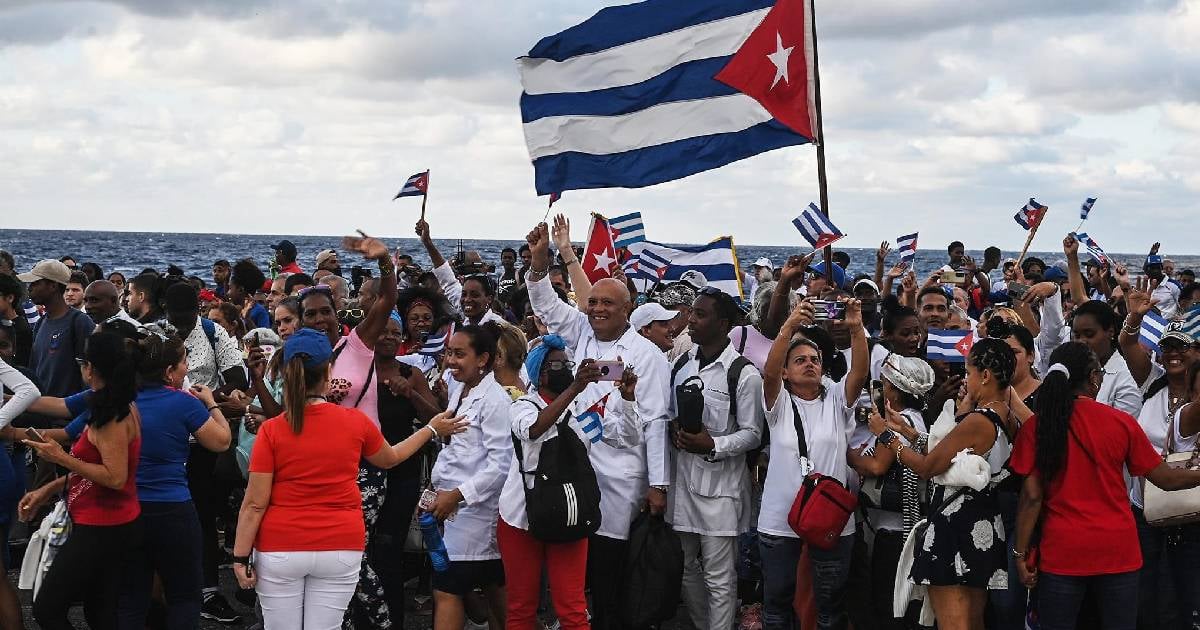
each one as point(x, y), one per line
point(89, 503)
point(291, 267)
point(315, 502)
point(1087, 525)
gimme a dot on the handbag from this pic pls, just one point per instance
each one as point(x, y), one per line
point(823, 505)
point(44, 545)
point(1164, 508)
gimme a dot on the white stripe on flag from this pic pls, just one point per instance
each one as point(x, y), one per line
point(660, 124)
point(1153, 326)
point(640, 60)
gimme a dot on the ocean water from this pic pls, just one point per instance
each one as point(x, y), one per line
point(130, 252)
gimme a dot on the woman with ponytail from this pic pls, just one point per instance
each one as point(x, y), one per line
point(301, 533)
point(101, 494)
point(1072, 453)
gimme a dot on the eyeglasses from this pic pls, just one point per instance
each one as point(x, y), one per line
point(352, 313)
point(556, 364)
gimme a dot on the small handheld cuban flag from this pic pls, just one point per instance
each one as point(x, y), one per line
point(414, 186)
point(907, 245)
point(951, 346)
point(651, 265)
point(554, 197)
point(816, 227)
point(1191, 321)
point(627, 229)
point(1153, 326)
point(1092, 247)
point(1086, 208)
point(434, 345)
point(591, 421)
point(1031, 215)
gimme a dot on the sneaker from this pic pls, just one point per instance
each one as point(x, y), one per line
point(217, 608)
point(751, 617)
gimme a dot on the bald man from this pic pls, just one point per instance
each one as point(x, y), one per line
point(628, 478)
point(102, 303)
point(341, 291)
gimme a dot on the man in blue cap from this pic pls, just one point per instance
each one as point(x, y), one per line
point(1165, 293)
point(821, 281)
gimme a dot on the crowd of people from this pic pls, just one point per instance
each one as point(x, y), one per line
point(812, 454)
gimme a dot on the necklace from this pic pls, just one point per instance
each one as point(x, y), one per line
point(309, 398)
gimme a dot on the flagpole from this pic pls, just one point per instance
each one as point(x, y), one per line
point(1032, 233)
point(822, 183)
point(425, 197)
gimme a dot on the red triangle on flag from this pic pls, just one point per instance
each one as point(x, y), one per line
point(964, 344)
point(773, 67)
point(599, 255)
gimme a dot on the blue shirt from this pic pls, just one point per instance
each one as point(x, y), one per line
point(169, 417)
point(260, 316)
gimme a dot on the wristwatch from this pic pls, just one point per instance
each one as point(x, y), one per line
point(711, 456)
point(886, 437)
point(662, 489)
point(242, 560)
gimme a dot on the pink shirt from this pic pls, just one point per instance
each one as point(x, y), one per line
point(756, 345)
point(352, 370)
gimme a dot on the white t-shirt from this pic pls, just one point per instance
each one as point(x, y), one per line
point(827, 425)
point(1167, 294)
point(1154, 422)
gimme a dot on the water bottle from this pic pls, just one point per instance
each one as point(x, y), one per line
point(433, 542)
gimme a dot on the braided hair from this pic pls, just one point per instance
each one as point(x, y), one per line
point(1056, 402)
point(995, 355)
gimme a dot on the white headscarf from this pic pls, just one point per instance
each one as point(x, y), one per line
point(911, 375)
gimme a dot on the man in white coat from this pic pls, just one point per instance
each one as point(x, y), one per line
point(709, 505)
point(628, 478)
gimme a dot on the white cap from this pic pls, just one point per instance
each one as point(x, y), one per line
point(764, 262)
point(648, 313)
point(694, 278)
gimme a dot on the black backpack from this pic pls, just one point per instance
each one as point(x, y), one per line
point(653, 573)
point(564, 503)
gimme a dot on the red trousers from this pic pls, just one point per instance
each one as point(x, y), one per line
point(566, 563)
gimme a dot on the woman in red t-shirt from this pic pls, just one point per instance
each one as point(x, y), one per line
point(302, 514)
point(1072, 453)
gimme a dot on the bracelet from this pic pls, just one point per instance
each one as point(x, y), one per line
point(1019, 555)
point(386, 268)
point(213, 407)
point(1130, 329)
point(433, 431)
point(662, 489)
point(568, 263)
point(242, 560)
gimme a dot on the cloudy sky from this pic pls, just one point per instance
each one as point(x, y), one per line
point(304, 116)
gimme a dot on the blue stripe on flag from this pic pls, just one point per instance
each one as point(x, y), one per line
point(657, 164)
point(613, 26)
point(687, 81)
point(942, 345)
point(1152, 329)
point(1086, 208)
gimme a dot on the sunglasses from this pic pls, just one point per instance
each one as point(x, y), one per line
point(556, 364)
point(316, 288)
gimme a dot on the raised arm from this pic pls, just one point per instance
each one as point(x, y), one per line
point(579, 280)
point(880, 257)
point(558, 316)
point(802, 315)
point(860, 356)
point(375, 320)
point(1074, 275)
point(435, 256)
point(781, 298)
point(1136, 357)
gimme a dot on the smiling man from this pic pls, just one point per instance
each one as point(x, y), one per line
point(627, 477)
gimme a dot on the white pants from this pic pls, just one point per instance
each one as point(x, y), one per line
point(306, 590)
point(709, 579)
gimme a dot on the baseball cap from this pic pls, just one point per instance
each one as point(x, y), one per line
point(49, 269)
point(764, 262)
point(694, 279)
point(1054, 274)
point(324, 254)
point(839, 274)
point(1154, 259)
point(287, 247)
point(1177, 332)
point(310, 344)
point(866, 283)
point(648, 313)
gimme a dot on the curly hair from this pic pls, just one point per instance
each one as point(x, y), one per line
point(248, 276)
point(443, 313)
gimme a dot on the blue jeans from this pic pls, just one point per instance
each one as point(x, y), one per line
point(171, 548)
point(1059, 598)
point(831, 568)
point(1169, 587)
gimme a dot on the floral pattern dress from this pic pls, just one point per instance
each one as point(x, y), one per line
point(963, 543)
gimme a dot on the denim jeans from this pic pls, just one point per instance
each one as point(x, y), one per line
point(1169, 587)
point(831, 569)
point(171, 548)
point(1060, 596)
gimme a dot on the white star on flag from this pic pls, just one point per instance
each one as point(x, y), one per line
point(780, 59)
point(603, 260)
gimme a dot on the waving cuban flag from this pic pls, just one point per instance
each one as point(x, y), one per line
point(653, 91)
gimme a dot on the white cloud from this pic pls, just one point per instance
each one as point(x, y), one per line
point(304, 116)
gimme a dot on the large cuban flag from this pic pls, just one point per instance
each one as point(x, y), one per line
point(631, 97)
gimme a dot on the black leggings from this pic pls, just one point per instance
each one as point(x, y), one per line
point(88, 568)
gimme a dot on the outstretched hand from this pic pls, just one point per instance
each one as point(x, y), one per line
point(371, 248)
